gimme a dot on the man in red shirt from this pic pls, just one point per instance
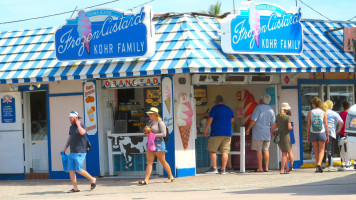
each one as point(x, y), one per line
point(343, 115)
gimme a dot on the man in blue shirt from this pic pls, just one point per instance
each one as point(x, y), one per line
point(220, 119)
point(261, 121)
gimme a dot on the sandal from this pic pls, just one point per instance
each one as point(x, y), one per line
point(93, 185)
point(73, 190)
point(142, 182)
point(170, 180)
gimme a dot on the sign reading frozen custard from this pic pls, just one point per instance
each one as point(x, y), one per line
point(106, 34)
point(133, 82)
point(90, 107)
point(262, 29)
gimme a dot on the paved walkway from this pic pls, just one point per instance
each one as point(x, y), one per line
point(300, 184)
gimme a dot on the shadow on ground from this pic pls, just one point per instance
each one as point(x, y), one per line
point(338, 186)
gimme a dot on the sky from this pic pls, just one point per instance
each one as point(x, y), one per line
point(341, 10)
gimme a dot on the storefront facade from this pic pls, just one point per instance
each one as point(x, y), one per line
point(188, 68)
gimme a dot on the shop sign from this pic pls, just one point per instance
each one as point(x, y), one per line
point(349, 38)
point(132, 82)
point(332, 75)
point(262, 29)
point(90, 107)
point(106, 34)
point(8, 114)
point(152, 97)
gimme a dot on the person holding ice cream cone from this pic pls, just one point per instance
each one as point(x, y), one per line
point(157, 127)
point(221, 118)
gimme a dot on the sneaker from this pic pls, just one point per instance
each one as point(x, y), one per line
point(212, 171)
point(223, 171)
point(331, 168)
point(319, 169)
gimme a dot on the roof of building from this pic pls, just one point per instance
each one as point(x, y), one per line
point(185, 43)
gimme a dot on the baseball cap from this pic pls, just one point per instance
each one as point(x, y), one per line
point(74, 114)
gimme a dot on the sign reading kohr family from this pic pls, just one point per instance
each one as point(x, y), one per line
point(106, 34)
point(262, 29)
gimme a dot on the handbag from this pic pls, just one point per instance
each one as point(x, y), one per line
point(276, 136)
point(151, 142)
point(64, 161)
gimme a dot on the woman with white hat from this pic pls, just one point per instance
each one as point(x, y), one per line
point(158, 127)
point(284, 125)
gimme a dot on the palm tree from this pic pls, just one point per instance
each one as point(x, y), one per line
point(215, 9)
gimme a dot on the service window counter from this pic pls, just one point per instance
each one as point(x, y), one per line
point(127, 144)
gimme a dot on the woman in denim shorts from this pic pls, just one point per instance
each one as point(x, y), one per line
point(317, 131)
point(158, 127)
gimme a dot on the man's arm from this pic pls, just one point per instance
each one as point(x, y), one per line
point(81, 130)
point(252, 123)
point(208, 123)
point(67, 145)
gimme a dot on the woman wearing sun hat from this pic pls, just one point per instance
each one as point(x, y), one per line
point(158, 127)
point(284, 125)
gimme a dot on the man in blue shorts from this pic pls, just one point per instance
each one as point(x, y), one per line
point(78, 150)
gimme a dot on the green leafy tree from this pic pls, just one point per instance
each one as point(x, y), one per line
point(215, 9)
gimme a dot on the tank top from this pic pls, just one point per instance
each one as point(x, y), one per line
point(317, 112)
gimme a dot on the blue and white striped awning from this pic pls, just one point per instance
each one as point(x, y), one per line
point(185, 44)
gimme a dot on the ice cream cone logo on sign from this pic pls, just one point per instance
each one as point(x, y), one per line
point(254, 20)
point(184, 118)
point(84, 30)
point(167, 101)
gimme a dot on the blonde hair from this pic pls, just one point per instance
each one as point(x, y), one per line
point(324, 106)
point(330, 104)
point(159, 118)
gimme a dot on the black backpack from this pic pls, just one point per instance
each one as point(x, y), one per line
point(88, 148)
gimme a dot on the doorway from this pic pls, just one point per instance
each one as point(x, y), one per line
point(36, 135)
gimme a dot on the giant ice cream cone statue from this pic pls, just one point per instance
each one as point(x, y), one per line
point(246, 104)
point(84, 29)
point(255, 26)
point(184, 118)
point(167, 101)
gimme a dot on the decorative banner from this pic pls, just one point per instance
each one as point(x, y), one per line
point(349, 38)
point(167, 108)
point(200, 95)
point(184, 118)
point(152, 97)
point(262, 29)
point(133, 82)
point(106, 34)
point(8, 114)
point(90, 107)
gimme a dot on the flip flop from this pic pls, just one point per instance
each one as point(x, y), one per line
point(142, 182)
point(73, 190)
point(92, 186)
point(170, 180)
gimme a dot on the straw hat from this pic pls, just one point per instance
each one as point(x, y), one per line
point(152, 110)
point(285, 106)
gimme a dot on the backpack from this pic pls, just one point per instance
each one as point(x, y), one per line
point(166, 138)
point(317, 123)
point(88, 148)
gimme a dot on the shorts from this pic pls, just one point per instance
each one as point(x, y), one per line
point(76, 161)
point(223, 143)
point(317, 137)
point(260, 145)
point(160, 145)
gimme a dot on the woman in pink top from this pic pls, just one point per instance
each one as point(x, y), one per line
point(343, 115)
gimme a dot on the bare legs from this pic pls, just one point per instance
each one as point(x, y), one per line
point(84, 173)
point(161, 156)
point(259, 159)
point(319, 149)
point(284, 162)
point(291, 157)
point(224, 158)
point(213, 159)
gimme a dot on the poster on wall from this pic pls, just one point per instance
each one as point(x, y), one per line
point(271, 91)
point(200, 95)
point(8, 113)
point(152, 97)
point(349, 38)
point(90, 107)
point(167, 108)
point(262, 28)
point(246, 104)
point(106, 34)
point(184, 118)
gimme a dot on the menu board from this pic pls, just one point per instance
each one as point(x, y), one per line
point(90, 107)
point(8, 114)
point(152, 97)
point(200, 95)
